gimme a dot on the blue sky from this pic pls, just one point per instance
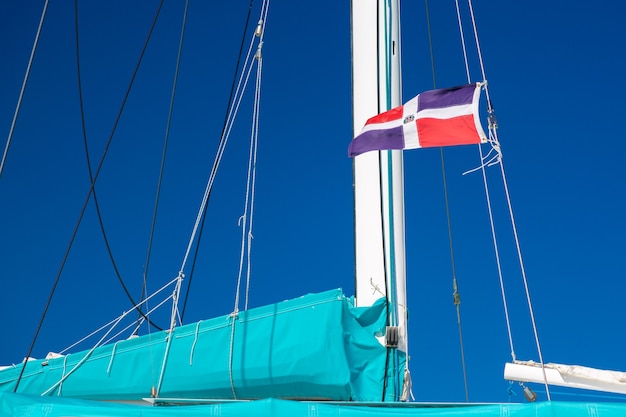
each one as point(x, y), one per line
point(555, 72)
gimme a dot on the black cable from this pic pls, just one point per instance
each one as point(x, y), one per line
point(430, 43)
point(87, 198)
point(220, 145)
point(95, 197)
point(388, 305)
point(163, 155)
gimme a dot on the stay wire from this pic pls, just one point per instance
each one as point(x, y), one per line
point(19, 100)
point(253, 185)
point(223, 135)
point(494, 131)
point(488, 196)
point(88, 197)
point(245, 80)
point(257, 111)
point(88, 159)
point(233, 111)
point(456, 295)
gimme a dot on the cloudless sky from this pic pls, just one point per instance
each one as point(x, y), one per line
point(555, 72)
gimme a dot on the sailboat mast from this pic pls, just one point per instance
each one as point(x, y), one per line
point(380, 267)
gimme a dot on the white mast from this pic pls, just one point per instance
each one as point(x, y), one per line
point(378, 176)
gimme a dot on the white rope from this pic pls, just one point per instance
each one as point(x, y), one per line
point(247, 217)
point(243, 223)
point(80, 362)
point(257, 110)
point(193, 345)
point(231, 349)
point(497, 254)
point(489, 160)
point(232, 113)
point(170, 336)
point(493, 130)
point(486, 161)
point(64, 369)
point(253, 185)
point(116, 336)
point(100, 342)
point(111, 360)
point(175, 313)
point(480, 55)
point(244, 228)
point(19, 100)
point(89, 336)
point(117, 319)
point(140, 322)
point(523, 270)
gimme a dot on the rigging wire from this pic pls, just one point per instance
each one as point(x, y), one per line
point(243, 81)
point(88, 197)
point(222, 136)
point(493, 138)
point(19, 100)
point(231, 116)
point(98, 330)
point(144, 288)
point(243, 221)
point(246, 225)
point(103, 340)
point(255, 135)
point(89, 168)
point(487, 193)
point(456, 295)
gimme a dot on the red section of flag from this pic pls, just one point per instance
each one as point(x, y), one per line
point(447, 132)
point(388, 116)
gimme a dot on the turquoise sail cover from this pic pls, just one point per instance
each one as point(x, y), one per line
point(316, 347)
point(35, 406)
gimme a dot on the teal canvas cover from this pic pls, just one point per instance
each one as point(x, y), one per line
point(318, 346)
point(34, 406)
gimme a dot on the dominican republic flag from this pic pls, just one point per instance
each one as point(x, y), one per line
point(444, 117)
